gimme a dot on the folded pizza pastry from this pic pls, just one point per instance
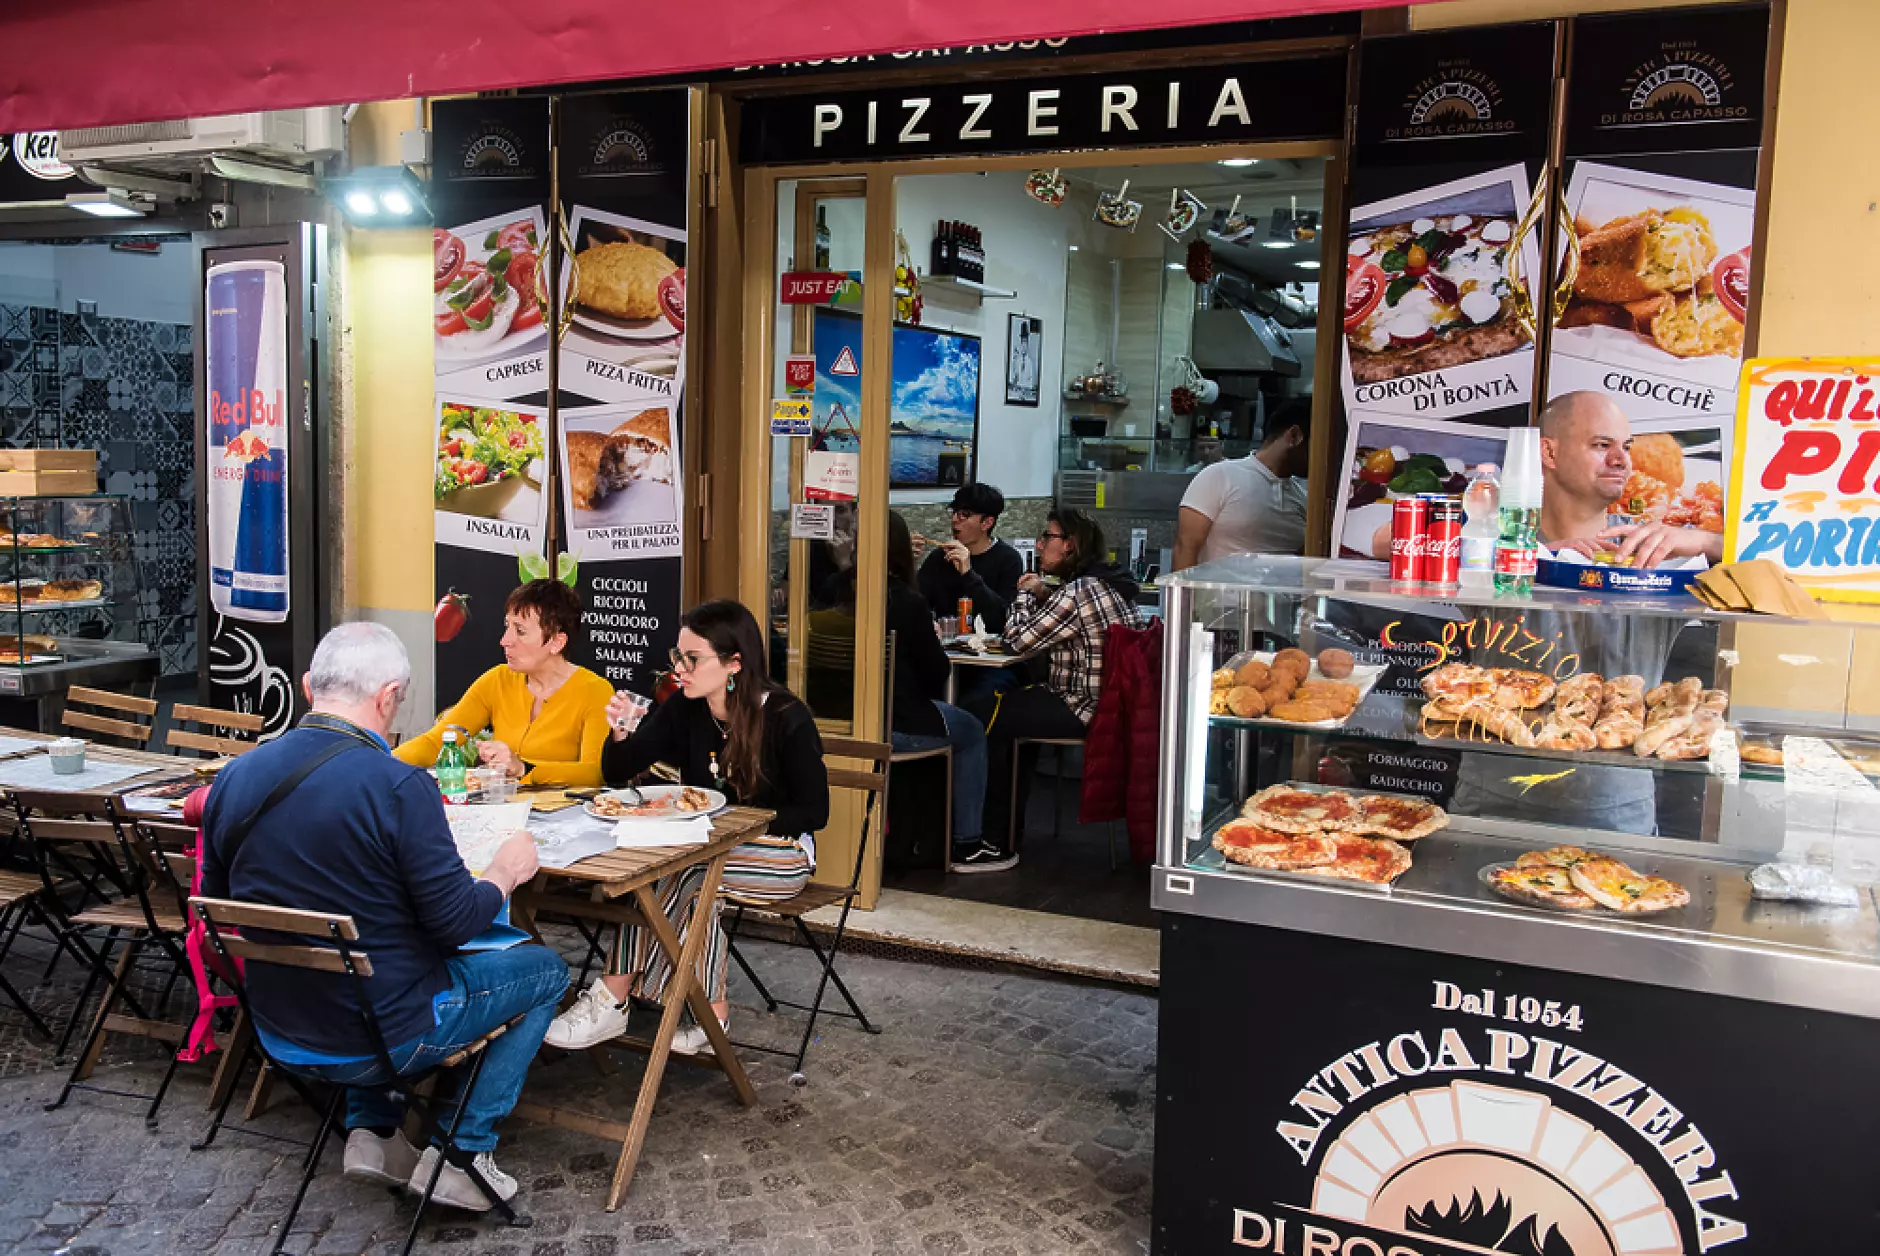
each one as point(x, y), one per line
point(1545, 884)
point(621, 279)
point(1640, 256)
point(1554, 857)
point(594, 468)
point(601, 464)
point(645, 443)
point(1612, 884)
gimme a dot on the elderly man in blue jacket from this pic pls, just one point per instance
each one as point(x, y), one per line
point(365, 835)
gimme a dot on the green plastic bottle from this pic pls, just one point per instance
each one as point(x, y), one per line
point(453, 769)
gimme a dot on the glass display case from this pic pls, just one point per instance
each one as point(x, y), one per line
point(1774, 759)
point(69, 598)
point(1440, 974)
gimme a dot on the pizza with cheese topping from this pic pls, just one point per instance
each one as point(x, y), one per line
point(1545, 884)
point(1612, 884)
point(1372, 860)
point(1289, 810)
point(1247, 843)
point(1400, 819)
point(1429, 294)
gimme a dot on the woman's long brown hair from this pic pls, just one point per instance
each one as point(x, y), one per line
point(730, 629)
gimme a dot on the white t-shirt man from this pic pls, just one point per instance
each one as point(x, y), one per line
point(1252, 508)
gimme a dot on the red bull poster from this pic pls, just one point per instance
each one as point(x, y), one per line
point(246, 347)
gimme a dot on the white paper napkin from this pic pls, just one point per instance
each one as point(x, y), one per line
point(649, 833)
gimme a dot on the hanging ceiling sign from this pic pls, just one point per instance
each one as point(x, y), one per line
point(1249, 102)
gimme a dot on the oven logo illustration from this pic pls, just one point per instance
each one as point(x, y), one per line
point(623, 149)
point(1682, 84)
point(1483, 1159)
point(495, 152)
point(1456, 100)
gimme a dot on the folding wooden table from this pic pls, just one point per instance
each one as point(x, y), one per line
point(610, 876)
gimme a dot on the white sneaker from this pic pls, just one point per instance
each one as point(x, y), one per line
point(691, 1039)
point(596, 1017)
point(455, 1189)
point(370, 1158)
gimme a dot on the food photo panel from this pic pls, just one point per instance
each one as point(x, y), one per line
point(1660, 293)
point(490, 306)
point(1388, 459)
point(620, 473)
point(624, 293)
point(1434, 301)
point(490, 475)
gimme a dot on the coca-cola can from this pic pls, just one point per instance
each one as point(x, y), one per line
point(1442, 548)
point(1409, 529)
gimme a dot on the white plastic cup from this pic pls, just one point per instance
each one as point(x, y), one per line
point(1521, 472)
point(640, 707)
point(67, 755)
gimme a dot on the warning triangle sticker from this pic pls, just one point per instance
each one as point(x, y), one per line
point(844, 363)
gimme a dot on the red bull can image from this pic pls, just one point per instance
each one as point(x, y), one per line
point(246, 345)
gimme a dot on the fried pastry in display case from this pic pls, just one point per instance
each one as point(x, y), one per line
point(69, 595)
point(1472, 945)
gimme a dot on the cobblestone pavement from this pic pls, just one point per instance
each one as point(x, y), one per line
point(997, 1113)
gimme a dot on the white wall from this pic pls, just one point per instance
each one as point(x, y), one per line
point(158, 287)
point(1025, 246)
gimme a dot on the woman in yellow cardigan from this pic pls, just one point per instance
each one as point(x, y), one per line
point(547, 717)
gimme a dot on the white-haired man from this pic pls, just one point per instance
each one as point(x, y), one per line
point(365, 835)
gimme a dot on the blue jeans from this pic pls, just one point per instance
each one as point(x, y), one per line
point(967, 736)
point(487, 988)
point(976, 686)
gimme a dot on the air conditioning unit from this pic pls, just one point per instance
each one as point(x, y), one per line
point(295, 136)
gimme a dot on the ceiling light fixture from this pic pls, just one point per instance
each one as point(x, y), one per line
point(1236, 163)
point(1276, 244)
point(105, 205)
point(1307, 265)
point(380, 196)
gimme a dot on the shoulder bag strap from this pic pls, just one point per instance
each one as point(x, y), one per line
point(236, 836)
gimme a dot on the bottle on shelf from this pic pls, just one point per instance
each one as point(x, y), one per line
point(942, 261)
point(824, 238)
point(453, 769)
point(1481, 526)
point(1517, 547)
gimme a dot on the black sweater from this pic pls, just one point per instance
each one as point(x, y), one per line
point(991, 580)
point(920, 664)
point(681, 732)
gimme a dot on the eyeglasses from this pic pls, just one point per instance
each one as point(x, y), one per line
point(1052, 536)
point(688, 660)
point(960, 512)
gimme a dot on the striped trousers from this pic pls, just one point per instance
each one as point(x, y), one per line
point(763, 870)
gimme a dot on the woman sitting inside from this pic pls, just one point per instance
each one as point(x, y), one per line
point(547, 717)
point(729, 728)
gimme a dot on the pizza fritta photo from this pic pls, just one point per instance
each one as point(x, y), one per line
point(1429, 294)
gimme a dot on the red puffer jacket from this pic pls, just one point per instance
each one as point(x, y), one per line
point(1122, 751)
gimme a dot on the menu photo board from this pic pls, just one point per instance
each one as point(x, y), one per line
point(1443, 248)
point(491, 253)
point(625, 185)
point(1805, 480)
point(1664, 124)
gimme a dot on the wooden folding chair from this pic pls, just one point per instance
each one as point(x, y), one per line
point(230, 732)
point(872, 781)
point(149, 909)
point(321, 942)
point(132, 732)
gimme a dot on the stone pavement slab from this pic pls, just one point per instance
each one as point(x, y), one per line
point(998, 1113)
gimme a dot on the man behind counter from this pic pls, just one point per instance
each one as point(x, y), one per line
point(973, 564)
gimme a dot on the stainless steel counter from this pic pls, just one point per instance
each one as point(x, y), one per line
point(1722, 942)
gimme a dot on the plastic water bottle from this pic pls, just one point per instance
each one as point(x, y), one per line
point(1517, 547)
point(1481, 526)
point(453, 769)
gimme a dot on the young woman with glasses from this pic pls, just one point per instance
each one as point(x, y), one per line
point(729, 728)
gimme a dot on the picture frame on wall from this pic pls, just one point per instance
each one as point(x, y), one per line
point(1024, 354)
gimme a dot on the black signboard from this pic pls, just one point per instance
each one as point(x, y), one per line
point(1325, 1097)
point(1668, 81)
point(1475, 97)
point(30, 169)
point(489, 198)
point(625, 183)
point(1248, 102)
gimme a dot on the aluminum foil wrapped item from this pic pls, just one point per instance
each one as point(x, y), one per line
point(1801, 883)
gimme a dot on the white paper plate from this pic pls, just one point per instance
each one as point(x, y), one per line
point(624, 328)
point(654, 794)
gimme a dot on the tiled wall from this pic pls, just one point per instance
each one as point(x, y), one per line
point(125, 388)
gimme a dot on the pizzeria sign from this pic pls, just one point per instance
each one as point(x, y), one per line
point(1805, 479)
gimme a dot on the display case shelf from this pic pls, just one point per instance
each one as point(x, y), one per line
point(966, 288)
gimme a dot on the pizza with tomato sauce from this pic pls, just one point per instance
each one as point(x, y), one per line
point(1246, 843)
point(1289, 810)
point(1399, 819)
point(1429, 294)
point(1372, 860)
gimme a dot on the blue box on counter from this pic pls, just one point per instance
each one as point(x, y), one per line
point(1588, 578)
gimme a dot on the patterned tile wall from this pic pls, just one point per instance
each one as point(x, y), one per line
point(125, 388)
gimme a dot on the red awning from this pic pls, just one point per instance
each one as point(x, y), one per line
point(74, 63)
